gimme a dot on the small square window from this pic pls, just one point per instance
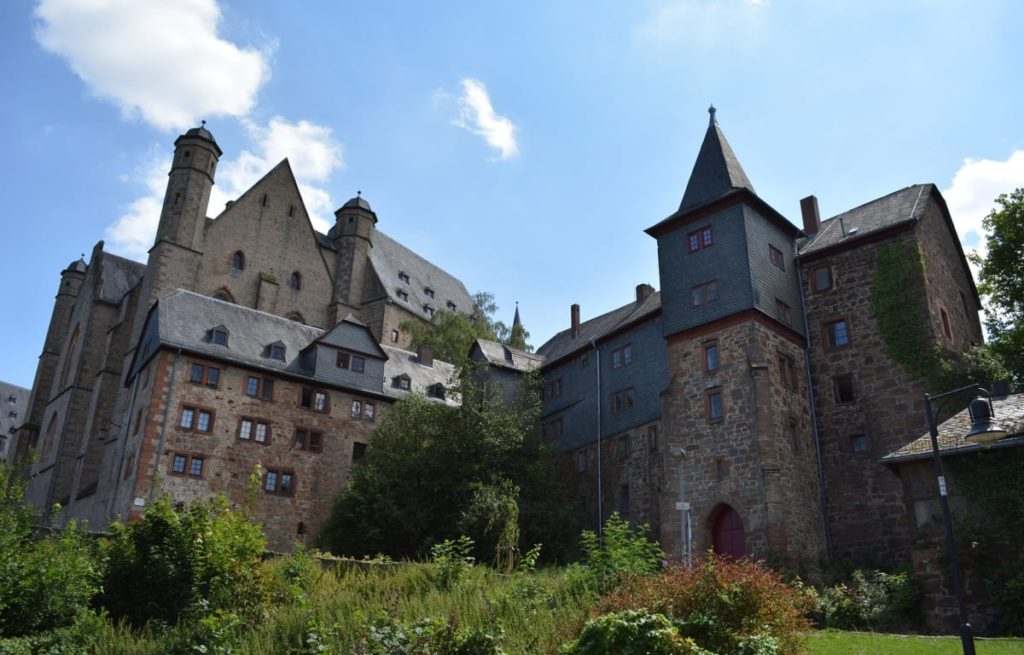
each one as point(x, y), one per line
point(197, 373)
point(451, 305)
point(837, 334)
point(212, 376)
point(711, 357)
point(268, 390)
point(252, 386)
point(714, 408)
point(320, 401)
point(822, 278)
point(261, 433)
point(859, 443)
point(342, 360)
point(204, 422)
point(187, 416)
point(358, 364)
point(403, 296)
point(245, 430)
point(178, 466)
point(357, 409)
point(404, 278)
point(195, 467)
point(368, 409)
point(776, 258)
point(429, 292)
point(842, 386)
point(784, 312)
point(358, 450)
point(428, 310)
point(220, 336)
point(277, 351)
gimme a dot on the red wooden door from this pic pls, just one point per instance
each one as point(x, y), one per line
point(727, 534)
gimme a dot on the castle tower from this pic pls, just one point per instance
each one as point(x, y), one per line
point(353, 236)
point(71, 279)
point(738, 402)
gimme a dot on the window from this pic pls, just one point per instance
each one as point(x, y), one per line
point(451, 305)
point(357, 409)
point(842, 387)
point(622, 400)
point(581, 461)
point(822, 278)
point(254, 430)
point(12, 414)
point(263, 200)
point(859, 443)
point(776, 257)
point(368, 410)
point(295, 281)
point(702, 294)
point(403, 277)
point(429, 292)
point(401, 382)
point(622, 356)
point(428, 310)
point(237, 262)
point(394, 336)
point(350, 361)
point(257, 387)
point(623, 447)
point(787, 373)
point(700, 239)
point(403, 296)
point(552, 429)
point(219, 336)
point(652, 437)
point(185, 464)
point(279, 483)
point(436, 391)
point(794, 434)
point(967, 309)
point(308, 440)
point(200, 420)
point(276, 351)
point(358, 450)
point(945, 323)
point(714, 409)
point(721, 469)
point(552, 389)
point(837, 334)
point(584, 360)
point(711, 357)
point(314, 399)
point(783, 312)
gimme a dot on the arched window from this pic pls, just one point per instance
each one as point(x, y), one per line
point(727, 536)
point(223, 294)
point(296, 316)
point(295, 281)
point(237, 261)
point(70, 355)
point(51, 435)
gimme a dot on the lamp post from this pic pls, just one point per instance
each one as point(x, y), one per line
point(685, 529)
point(984, 431)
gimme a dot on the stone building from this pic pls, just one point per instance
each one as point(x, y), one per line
point(13, 403)
point(109, 415)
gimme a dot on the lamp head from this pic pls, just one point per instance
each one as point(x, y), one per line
point(985, 430)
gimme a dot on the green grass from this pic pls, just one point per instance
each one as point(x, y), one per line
point(833, 642)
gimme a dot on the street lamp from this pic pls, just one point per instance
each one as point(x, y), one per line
point(984, 431)
point(685, 527)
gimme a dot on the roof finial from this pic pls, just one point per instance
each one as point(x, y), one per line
point(711, 110)
point(359, 194)
point(203, 122)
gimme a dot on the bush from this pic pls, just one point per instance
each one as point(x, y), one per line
point(428, 637)
point(872, 600)
point(204, 558)
point(625, 552)
point(44, 584)
point(739, 608)
point(632, 632)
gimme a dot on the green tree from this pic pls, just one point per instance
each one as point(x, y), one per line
point(434, 472)
point(1002, 281)
point(451, 334)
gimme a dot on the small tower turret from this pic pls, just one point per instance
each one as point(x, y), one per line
point(188, 188)
point(353, 236)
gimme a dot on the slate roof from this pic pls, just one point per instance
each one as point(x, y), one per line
point(389, 258)
point(562, 344)
point(716, 171)
point(1008, 412)
point(500, 355)
point(118, 276)
point(897, 208)
point(403, 362)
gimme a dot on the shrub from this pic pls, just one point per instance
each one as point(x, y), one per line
point(872, 600)
point(632, 632)
point(451, 559)
point(725, 606)
point(625, 551)
point(204, 558)
point(428, 637)
point(44, 583)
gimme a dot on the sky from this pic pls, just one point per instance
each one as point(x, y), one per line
point(522, 146)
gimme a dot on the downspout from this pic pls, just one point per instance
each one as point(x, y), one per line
point(814, 416)
point(600, 488)
point(163, 428)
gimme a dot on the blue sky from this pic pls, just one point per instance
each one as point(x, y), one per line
point(523, 146)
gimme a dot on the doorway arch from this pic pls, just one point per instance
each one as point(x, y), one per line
point(727, 535)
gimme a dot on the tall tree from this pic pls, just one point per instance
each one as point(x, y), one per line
point(1001, 279)
point(451, 334)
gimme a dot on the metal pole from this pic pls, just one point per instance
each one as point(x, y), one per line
point(966, 635)
point(685, 533)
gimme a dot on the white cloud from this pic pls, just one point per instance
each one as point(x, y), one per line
point(972, 194)
point(703, 23)
point(477, 115)
point(312, 152)
point(160, 60)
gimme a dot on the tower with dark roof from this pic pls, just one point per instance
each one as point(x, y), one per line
point(355, 224)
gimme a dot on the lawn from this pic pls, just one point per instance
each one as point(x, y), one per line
point(831, 642)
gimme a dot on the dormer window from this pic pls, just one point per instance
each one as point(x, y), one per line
point(401, 382)
point(295, 281)
point(219, 336)
point(451, 305)
point(276, 351)
point(428, 310)
point(403, 296)
point(351, 362)
point(403, 277)
point(436, 391)
point(429, 292)
point(238, 262)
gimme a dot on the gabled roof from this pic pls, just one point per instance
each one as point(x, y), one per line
point(897, 208)
point(405, 363)
point(598, 328)
point(1008, 412)
point(389, 258)
point(502, 356)
point(716, 171)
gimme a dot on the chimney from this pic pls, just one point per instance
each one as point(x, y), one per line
point(643, 292)
point(809, 209)
point(575, 317)
point(426, 355)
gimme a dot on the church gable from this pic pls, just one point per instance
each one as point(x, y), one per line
point(264, 252)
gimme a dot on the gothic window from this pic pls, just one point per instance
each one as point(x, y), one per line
point(223, 294)
point(237, 262)
point(295, 281)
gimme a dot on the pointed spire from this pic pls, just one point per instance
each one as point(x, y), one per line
point(716, 171)
point(515, 321)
